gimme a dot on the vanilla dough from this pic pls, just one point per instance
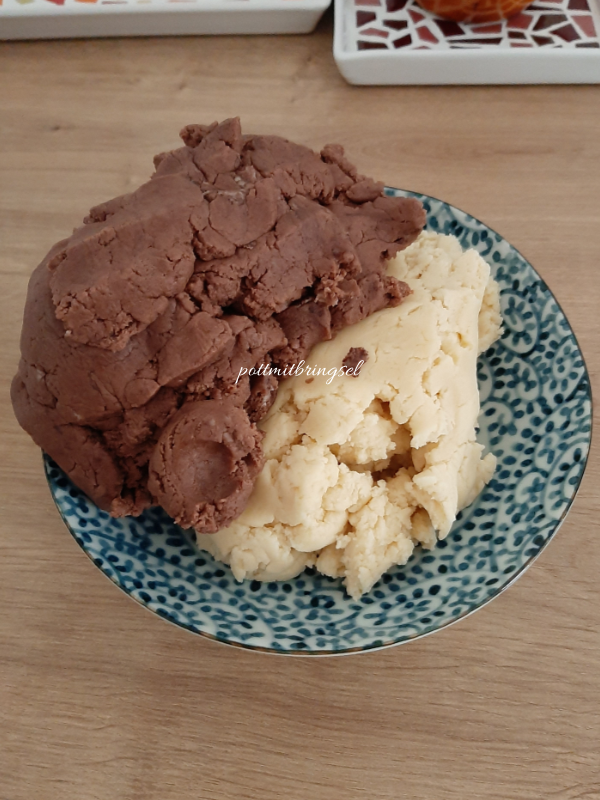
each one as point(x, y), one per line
point(359, 472)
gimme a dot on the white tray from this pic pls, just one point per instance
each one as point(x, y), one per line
point(397, 42)
point(50, 19)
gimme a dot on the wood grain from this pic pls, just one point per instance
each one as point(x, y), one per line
point(99, 699)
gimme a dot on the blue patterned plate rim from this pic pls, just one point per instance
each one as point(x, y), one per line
point(370, 642)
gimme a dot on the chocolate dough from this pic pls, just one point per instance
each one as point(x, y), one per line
point(354, 357)
point(239, 251)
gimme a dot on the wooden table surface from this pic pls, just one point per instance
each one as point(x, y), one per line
point(100, 699)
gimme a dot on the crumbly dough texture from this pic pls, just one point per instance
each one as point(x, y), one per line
point(360, 471)
point(240, 250)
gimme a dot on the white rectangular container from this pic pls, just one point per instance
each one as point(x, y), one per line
point(397, 42)
point(49, 19)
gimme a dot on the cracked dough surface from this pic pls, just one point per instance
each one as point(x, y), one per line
point(360, 471)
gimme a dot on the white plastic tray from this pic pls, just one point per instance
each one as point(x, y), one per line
point(397, 42)
point(49, 19)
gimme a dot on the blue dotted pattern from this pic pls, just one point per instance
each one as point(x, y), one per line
point(536, 418)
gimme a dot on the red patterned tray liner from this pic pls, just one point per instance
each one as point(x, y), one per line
point(402, 24)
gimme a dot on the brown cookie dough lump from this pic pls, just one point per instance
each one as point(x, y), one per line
point(240, 250)
point(204, 464)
